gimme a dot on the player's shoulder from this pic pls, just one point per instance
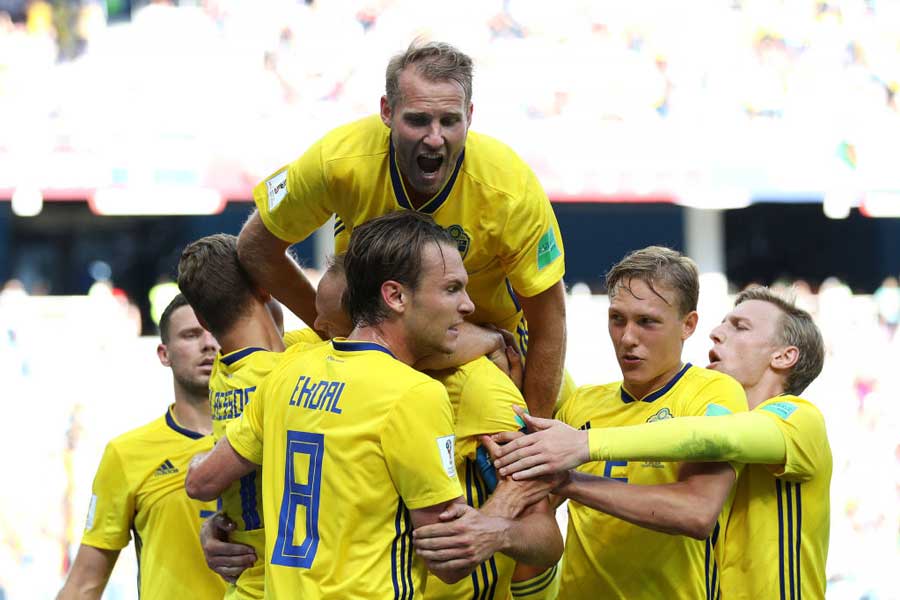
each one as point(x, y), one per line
point(363, 137)
point(701, 377)
point(786, 405)
point(588, 396)
point(492, 163)
point(307, 336)
point(154, 430)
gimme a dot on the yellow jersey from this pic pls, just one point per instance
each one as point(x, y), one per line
point(232, 385)
point(492, 205)
point(777, 533)
point(606, 557)
point(139, 489)
point(350, 440)
point(482, 397)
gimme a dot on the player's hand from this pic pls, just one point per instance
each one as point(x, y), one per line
point(463, 540)
point(550, 447)
point(225, 558)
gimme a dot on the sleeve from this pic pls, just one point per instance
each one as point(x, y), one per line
point(531, 246)
point(418, 442)
point(245, 434)
point(111, 510)
point(293, 202)
point(306, 337)
point(802, 427)
point(486, 406)
point(746, 437)
point(720, 396)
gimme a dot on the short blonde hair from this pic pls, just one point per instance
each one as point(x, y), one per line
point(658, 265)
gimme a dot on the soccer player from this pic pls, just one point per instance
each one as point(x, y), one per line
point(349, 426)
point(139, 484)
point(419, 155)
point(637, 541)
point(776, 540)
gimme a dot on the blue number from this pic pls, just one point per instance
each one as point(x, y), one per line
point(296, 494)
point(607, 470)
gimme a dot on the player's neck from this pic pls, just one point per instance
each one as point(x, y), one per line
point(192, 411)
point(639, 390)
point(769, 386)
point(388, 335)
point(256, 329)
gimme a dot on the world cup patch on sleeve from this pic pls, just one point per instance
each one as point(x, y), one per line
point(92, 508)
point(276, 188)
point(782, 409)
point(547, 250)
point(446, 446)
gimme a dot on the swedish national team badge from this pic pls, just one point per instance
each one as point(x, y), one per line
point(461, 237)
point(661, 415)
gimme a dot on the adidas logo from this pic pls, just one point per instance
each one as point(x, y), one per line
point(167, 468)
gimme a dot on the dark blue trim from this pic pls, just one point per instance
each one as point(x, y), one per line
point(541, 583)
point(435, 203)
point(232, 358)
point(352, 346)
point(339, 230)
point(799, 570)
point(205, 514)
point(790, 537)
point(394, 551)
point(512, 294)
point(780, 538)
point(248, 501)
point(170, 421)
point(626, 397)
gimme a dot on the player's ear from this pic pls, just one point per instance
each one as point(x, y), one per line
point(689, 325)
point(394, 295)
point(163, 353)
point(386, 112)
point(785, 358)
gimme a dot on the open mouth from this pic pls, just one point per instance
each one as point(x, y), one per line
point(429, 163)
point(713, 357)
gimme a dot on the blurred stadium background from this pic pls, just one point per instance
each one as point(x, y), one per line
point(759, 136)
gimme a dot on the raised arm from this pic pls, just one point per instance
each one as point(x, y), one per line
point(211, 473)
point(265, 257)
point(89, 574)
point(546, 315)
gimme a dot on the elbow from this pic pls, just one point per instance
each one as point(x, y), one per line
point(452, 576)
point(198, 489)
point(700, 526)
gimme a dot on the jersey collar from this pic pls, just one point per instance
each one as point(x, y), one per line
point(345, 345)
point(173, 424)
point(233, 357)
point(626, 397)
point(400, 192)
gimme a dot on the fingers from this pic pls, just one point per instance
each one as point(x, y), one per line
point(491, 446)
point(454, 512)
point(504, 437)
point(221, 521)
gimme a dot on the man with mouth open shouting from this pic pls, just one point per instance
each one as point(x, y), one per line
point(419, 155)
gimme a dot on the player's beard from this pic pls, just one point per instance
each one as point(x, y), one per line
point(195, 386)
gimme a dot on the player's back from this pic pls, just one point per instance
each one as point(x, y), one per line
point(352, 440)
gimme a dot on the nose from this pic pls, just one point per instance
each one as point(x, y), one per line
point(435, 137)
point(716, 335)
point(209, 342)
point(466, 307)
point(629, 334)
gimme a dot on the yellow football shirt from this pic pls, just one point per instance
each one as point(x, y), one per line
point(139, 488)
point(777, 534)
point(606, 557)
point(482, 397)
point(493, 206)
point(350, 440)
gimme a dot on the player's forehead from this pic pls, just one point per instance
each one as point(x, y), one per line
point(419, 94)
point(442, 263)
point(756, 312)
point(183, 320)
point(636, 296)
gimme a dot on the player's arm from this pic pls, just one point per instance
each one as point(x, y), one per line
point(89, 574)
point(546, 316)
point(225, 558)
point(750, 438)
point(264, 255)
point(211, 473)
point(474, 342)
point(689, 506)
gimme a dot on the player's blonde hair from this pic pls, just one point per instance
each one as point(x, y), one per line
point(436, 61)
point(658, 265)
point(796, 328)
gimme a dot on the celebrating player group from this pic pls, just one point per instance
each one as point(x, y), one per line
point(416, 440)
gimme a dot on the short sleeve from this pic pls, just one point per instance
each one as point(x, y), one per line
point(293, 202)
point(245, 434)
point(531, 246)
point(111, 509)
point(720, 396)
point(486, 406)
point(301, 338)
point(418, 442)
point(805, 439)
